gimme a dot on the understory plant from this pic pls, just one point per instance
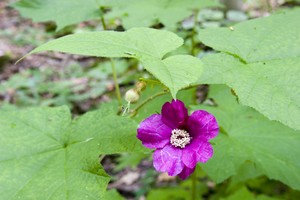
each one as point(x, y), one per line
point(244, 131)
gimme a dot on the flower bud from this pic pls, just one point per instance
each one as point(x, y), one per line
point(140, 86)
point(132, 96)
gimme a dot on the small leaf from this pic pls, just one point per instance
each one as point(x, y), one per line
point(175, 72)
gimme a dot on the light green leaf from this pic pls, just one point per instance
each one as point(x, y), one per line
point(175, 72)
point(265, 197)
point(42, 149)
point(245, 194)
point(263, 39)
point(145, 44)
point(271, 87)
point(113, 134)
point(242, 193)
point(260, 61)
point(112, 195)
point(248, 136)
point(136, 42)
point(63, 13)
point(246, 171)
point(136, 13)
point(168, 193)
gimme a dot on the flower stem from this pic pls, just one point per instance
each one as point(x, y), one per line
point(135, 111)
point(117, 88)
point(194, 185)
point(194, 32)
point(103, 23)
point(118, 93)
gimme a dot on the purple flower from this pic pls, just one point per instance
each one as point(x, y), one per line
point(180, 140)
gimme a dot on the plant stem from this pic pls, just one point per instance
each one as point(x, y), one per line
point(103, 23)
point(194, 185)
point(118, 93)
point(134, 112)
point(117, 88)
point(194, 32)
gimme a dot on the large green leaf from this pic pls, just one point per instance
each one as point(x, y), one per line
point(62, 12)
point(260, 61)
point(248, 136)
point(46, 155)
point(145, 44)
point(136, 13)
point(136, 42)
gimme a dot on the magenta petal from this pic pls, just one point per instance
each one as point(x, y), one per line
point(186, 172)
point(197, 151)
point(153, 132)
point(174, 113)
point(203, 124)
point(168, 160)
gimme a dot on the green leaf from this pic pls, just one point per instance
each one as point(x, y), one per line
point(155, 105)
point(112, 195)
point(247, 136)
point(265, 197)
point(168, 193)
point(260, 61)
point(175, 72)
point(63, 13)
point(246, 171)
point(136, 42)
point(269, 38)
point(42, 149)
point(245, 194)
point(136, 13)
point(112, 134)
point(242, 193)
point(145, 44)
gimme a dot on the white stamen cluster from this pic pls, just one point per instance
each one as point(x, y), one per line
point(180, 138)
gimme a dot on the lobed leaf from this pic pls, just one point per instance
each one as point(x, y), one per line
point(260, 61)
point(42, 149)
point(248, 136)
point(145, 44)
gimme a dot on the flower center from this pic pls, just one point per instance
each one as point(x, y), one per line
point(180, 138)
